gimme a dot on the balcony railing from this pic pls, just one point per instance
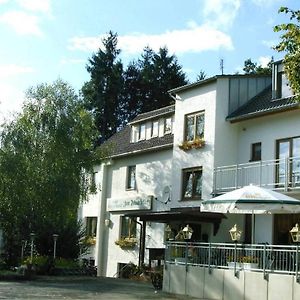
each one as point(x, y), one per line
point(262, 257)
point(281, 174)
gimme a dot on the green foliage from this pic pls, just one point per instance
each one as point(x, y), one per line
point(64, 263)
point(102, 93)
point(43, 153)
point(115, 96)
point(290, 44)
point(253, 68)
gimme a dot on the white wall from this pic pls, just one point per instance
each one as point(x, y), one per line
point(202, 98)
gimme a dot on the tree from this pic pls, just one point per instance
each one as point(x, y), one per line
point(42, 156)
point(102, 93)
point(201, 76)
point(290, 44)
point(253, 68)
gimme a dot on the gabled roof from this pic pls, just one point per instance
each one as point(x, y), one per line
point(153, 114)
point(262, 104)
point(119, 144)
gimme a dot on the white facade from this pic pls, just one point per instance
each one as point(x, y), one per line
point(164, 166)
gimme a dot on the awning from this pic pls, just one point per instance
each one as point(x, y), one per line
point(183, 214)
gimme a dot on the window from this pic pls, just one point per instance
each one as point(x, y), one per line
point(128, 227)
point(91, 226)
point(93, 187)
point(288, 148)
point(154, 132)
point(142, 132)
point(194, 126)
point(131, 180)
point(168, 125)
point(192, 184)
point(256, 152)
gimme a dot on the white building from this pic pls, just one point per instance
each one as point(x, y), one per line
point(217, 137)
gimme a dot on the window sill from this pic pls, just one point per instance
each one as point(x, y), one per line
point(130, 189)
point(191, 199)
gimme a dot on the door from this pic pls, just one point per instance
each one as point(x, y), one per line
point(288, 168)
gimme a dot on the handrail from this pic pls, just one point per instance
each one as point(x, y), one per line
point(265, 258)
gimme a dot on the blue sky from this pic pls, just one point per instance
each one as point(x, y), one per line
point(42, 40)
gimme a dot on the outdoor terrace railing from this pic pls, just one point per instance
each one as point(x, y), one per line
point(282, 174)
point(259, 257)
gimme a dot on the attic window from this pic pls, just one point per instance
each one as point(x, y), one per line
point(142, 132)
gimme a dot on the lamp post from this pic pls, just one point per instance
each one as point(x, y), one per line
point(295, 234)
point(32, 236)
point(168, 232)
point(55, 236)
point(235, 235)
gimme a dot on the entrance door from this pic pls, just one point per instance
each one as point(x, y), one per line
point(288, 170)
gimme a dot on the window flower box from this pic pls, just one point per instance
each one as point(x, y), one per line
point(126, 243)
point(194, 144)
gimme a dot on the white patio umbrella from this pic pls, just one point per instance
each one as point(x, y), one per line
point(252, 200)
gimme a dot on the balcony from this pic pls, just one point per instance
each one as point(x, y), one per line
point(277, 174)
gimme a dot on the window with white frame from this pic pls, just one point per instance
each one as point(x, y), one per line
point(91, 226)
point(168, 125)
point(194, 126)
point(131, 178)
point(142, 132)
point(154, 131)
point(192, 184)
point(128, 227)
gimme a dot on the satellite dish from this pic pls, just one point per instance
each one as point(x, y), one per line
point(166, 196)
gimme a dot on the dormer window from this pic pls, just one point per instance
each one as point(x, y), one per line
point(142, 132)
point(154, 131)
point(168, 125)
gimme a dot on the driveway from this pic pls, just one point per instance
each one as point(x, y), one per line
point(81, 288)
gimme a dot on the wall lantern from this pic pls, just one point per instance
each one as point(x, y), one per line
point(235, 233)
point(187, 232)
point(168, 232)
point(295, 233)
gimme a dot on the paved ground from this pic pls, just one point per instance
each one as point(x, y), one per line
point(81, 288)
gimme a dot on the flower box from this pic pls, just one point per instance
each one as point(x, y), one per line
point(194, 144)
point(126, 243)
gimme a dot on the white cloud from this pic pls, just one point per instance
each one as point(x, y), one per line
point(3, 1)
point(270, 43)
point(221, 13)
point(195, 39)
point(264, 60)
point(11, 100)
point(265, 3)
point(43, 6)
point(22, 22)
point(72, 61)
point(12, 70)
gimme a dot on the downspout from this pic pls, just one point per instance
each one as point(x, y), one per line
point(101, 228)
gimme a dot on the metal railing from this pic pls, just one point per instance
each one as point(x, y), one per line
point(260, 257)
point(282, 174)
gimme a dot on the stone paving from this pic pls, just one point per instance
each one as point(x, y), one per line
point(82, 288)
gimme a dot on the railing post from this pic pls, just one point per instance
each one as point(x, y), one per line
point(186, 255)
point(235, 257)
point(287, 174)
point(260, 173)
point(209, 258)
point(297, 264)
point(236, 176)
point(264, 261)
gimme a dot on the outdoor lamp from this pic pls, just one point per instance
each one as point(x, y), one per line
point(235, 233)
point(55, 236)
point(295, 233)
point(168, 231)
point(187, 232)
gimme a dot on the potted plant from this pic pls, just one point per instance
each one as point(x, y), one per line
point(250, 262)
point(194, 144)
point(126, 242)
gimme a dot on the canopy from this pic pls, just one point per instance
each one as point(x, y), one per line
point(252, 200)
